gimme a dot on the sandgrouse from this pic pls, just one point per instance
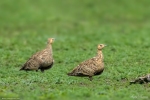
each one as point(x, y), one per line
point(91, 67)
point(42, 60)
point(141, 80)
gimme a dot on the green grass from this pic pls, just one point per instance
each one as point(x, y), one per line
point(78, 26)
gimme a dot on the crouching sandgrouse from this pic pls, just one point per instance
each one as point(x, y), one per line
point(91, 67)
point(141, 80)
point(42, 60)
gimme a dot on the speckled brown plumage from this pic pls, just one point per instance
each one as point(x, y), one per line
point(141, 80)
point(91, 67)
point(42, 60)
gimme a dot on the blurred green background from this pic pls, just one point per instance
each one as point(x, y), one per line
point(78, 26)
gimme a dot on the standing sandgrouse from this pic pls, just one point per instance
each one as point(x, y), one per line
point(91, 67)
point(41, 60)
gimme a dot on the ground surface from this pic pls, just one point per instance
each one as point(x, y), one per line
point(78, 26)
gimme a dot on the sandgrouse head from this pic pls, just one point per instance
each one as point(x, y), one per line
point(50, 40)
point(101, 46)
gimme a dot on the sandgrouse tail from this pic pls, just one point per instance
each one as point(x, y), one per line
point(91, 67)
point(42, 60)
